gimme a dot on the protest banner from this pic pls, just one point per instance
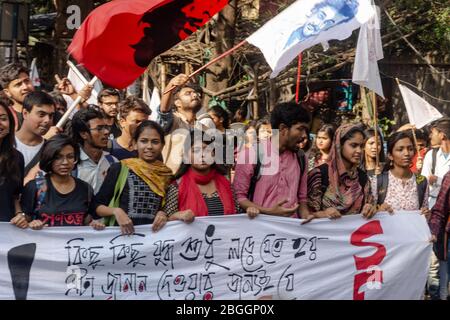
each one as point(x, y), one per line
point(226, 257)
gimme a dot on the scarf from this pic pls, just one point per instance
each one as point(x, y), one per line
point(156, 175)
point(345, 193)
point(190, 197)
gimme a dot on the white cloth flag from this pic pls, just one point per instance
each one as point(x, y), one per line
point(79, 81)
point(223, 257)
point(420, 112)
point(34, 75)
point(154, 103)
point(368, 51)
point(306, 23)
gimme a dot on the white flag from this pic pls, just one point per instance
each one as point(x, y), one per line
point(306, 23)
point(420, 112)
point(368, 51)
point(155, 102)
point(79, 81)
point(34, 75)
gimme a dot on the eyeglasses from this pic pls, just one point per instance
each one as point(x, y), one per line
point(101, 128)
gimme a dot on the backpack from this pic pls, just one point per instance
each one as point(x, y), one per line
point(362, 177)
point(257, 174)
point(383, 183)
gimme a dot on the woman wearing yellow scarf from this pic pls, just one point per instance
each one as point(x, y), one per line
point(134, 189)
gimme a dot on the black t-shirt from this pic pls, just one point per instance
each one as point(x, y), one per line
point(121, 153)
point(115, 130)
point(59, 209)
point(11, 189)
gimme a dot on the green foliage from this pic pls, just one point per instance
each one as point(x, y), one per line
point(217, 102)
point(434, 12)
point(385, 125)
point(41, 6)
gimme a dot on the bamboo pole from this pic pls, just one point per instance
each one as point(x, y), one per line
point(223, 55)
point(375, 124)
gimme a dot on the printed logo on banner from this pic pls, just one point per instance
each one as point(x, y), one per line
point(372, 274)
point(20, 260)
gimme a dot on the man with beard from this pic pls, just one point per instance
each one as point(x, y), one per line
point(278, 184)
point(16, 84)
point(178, 119)
point(38, 111)
point(91, 131)
point(108, 101)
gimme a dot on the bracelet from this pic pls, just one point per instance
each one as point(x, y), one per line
point(21, 213)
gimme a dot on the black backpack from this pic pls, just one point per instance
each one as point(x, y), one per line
point(256, 172)
point(383, 183)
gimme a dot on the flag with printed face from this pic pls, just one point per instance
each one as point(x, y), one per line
point(119, 39)
point(306, 23)
point(420, 112)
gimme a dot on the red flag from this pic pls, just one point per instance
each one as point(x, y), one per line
point(118, 40)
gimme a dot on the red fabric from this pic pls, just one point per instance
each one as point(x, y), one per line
point(118, 40)
point(190, 197)
point(415, 158)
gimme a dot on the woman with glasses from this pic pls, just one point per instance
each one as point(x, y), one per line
point(58, 199)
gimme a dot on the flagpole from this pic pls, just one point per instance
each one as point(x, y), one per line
point(299, 76)
point(223, 55)
point(145, 87)
point(69, 111)
point(413, 130)
point(375, 123)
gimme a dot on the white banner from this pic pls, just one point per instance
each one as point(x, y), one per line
point(228, 257)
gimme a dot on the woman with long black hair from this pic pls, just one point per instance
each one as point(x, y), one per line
point(11, 170)
point(370, 153)
point(398, 188)
point(320, 153)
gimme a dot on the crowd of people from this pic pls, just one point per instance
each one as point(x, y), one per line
point(112, 166)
